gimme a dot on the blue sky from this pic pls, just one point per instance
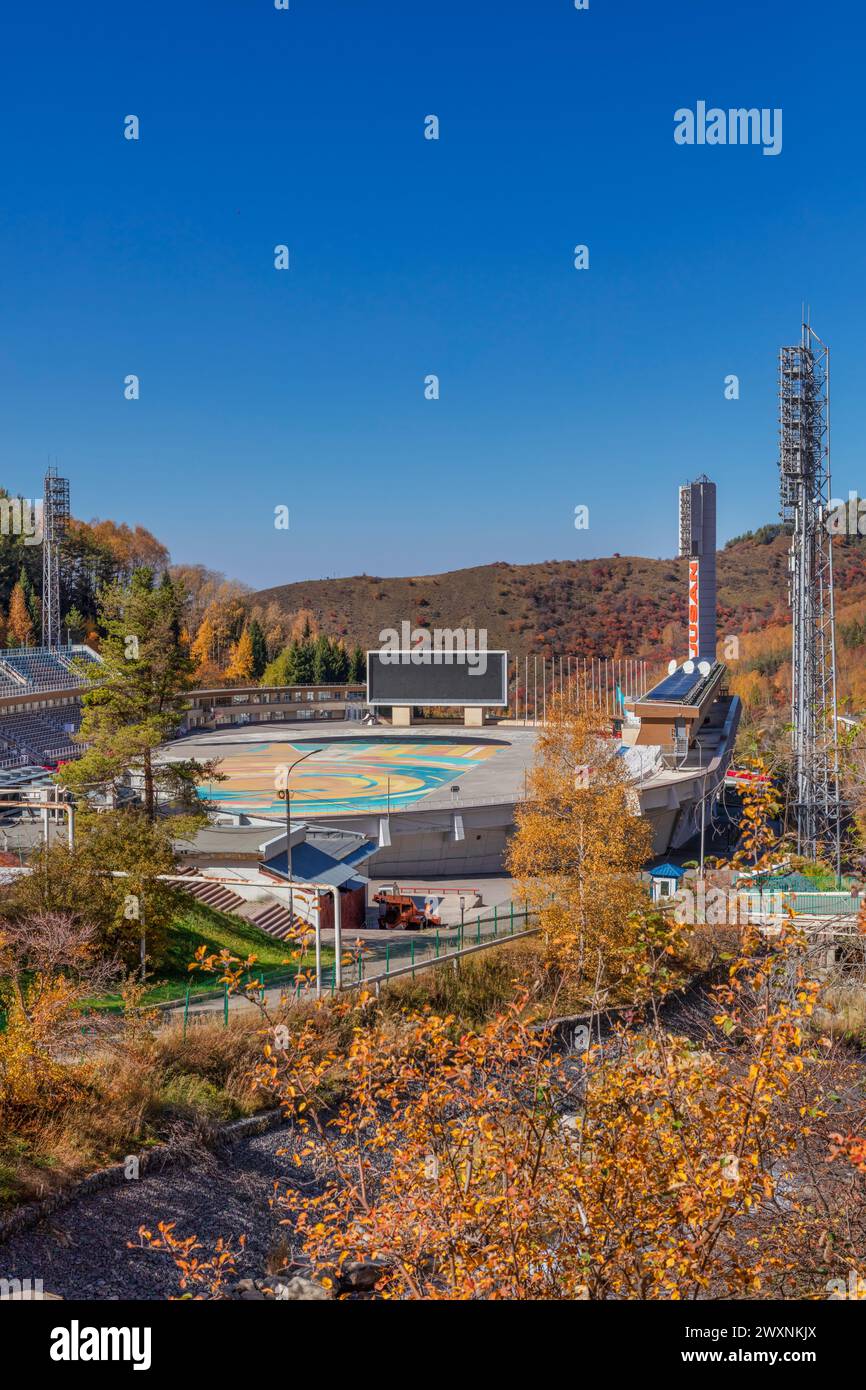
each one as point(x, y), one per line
point(305, 388)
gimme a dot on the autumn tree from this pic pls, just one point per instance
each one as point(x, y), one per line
point(579, 848)
point(303, 625)
point(114, 874)
point(485, 1164)
point(760, 840)
point(50, 962)
point(202, 649)
point(19, 625)
point(240, 665)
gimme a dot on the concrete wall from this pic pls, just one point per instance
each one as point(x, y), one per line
point(435, 853)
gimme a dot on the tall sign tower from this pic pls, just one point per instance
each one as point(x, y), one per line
point(55, 517)
point(804, 476)
point(698, 544)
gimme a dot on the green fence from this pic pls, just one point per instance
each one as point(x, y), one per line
point(805, 904)
point(375, 961)
point(429, 946)
point(801, 883)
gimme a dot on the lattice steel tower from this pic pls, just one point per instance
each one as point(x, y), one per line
point(804, 467)
point(55, 516)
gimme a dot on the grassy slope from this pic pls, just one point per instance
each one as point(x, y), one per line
point(200, 925)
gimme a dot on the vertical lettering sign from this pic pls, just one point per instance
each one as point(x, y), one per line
point(694, 568)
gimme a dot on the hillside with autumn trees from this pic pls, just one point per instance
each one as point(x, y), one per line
point(619, 606)
point(94, 554)
point(316, 631)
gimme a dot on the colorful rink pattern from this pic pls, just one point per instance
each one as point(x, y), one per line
point(344, 775)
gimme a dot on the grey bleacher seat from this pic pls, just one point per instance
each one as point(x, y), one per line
point(39, 737)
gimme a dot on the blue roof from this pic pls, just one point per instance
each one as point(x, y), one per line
point(667, 871)
point(312, 864)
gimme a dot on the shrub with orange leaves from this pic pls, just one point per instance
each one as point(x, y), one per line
point(482, 1163)
point(208, 1277)
point(485, 1165)
point(759, 841)
point(49, 963)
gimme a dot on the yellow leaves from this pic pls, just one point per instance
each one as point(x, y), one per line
point(452, 1157)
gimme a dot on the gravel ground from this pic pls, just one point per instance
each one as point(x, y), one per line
point(80, 1252)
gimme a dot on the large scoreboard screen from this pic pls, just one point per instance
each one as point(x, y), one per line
point(437, 678)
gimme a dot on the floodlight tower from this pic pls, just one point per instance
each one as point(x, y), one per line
point(55, 517)
point(804, 469)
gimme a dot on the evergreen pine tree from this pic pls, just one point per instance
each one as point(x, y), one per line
point(358, 667)
point(304, 664)
point(292, 667)
point(340, 663)
point(138, 696)
point(260, 649)
point(321, 660)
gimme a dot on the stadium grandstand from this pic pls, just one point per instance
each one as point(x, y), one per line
point(40, 706)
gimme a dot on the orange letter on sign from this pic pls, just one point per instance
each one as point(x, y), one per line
point(694, 569)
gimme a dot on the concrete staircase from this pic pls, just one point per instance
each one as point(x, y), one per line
point(269, 915)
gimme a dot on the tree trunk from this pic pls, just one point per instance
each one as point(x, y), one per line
point(149, 800)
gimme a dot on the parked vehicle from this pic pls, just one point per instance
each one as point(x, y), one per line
point(405, 912)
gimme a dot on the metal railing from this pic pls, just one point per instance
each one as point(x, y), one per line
point(433, 947)
point(830, 904)
point(363, 966)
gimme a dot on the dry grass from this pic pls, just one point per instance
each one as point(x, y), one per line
point(481, 987)
point(146, 1090)
point(166, 1088)
point(841, 1012)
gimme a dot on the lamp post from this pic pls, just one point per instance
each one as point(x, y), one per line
point(338, 940)
point(289, 769)
point(703, 821)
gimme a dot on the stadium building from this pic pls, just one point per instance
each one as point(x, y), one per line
point(435, 800)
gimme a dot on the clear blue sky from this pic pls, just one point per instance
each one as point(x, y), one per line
point(410, 257)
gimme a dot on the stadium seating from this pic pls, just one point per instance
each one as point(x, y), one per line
point(29, 669)
point(40, 736)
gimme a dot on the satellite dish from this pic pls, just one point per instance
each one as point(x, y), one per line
point(672, 666)
point(704, 667)
point(688, 667)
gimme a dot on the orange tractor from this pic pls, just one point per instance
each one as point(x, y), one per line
point(405, 911)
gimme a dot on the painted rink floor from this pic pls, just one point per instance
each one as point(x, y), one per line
point(342, 775)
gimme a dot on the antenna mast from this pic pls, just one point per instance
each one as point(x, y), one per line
point(804, 469)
